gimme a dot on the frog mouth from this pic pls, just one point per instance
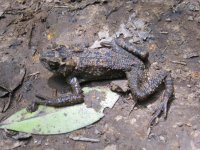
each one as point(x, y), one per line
point(50, 65)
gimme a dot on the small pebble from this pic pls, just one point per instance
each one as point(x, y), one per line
point(190, 18)
point(193, 7)
point(162, 138)
point(111, 147)
point(168, 20)
point(195, 127)
point(175, 145)
point(119, 85)
point(178, 124)
point(197, 19)
point(133, 121)
point(117, 118)
point(97, 131)
point(49, 1)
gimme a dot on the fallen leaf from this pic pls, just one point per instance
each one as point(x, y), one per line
point(50, 120)
point(11, 76)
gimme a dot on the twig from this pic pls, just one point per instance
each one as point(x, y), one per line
point(163, 32)
point(30, 36)
point(148, 132)
point(112, 11)
point(4, 88)
point(6, 106)
point(42, 97)
point(61, 6)
point(132, 108)
point(3, 117)
point(9, 24)
point(77, 138)
point(78, 7)
point(19, 97)
point(34, 74)
point(179, 62)
point(164, 50)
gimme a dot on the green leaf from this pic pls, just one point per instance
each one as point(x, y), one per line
point(49, 120)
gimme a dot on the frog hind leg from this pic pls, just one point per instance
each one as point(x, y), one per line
point(75, 97)
point(126, 45)
point(163, 107)
point(125, 48)
point(143, 90)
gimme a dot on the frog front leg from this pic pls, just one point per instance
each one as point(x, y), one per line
point(142, 90)
point(75, 97)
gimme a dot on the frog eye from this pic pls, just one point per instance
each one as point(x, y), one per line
point(54, 65)
point(47, 54)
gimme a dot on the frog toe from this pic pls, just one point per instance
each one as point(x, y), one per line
point(161, 109)
point(32, 107)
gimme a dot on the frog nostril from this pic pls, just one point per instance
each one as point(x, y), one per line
point(64, 59)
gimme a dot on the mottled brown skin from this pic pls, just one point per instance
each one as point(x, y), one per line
point(118, 59)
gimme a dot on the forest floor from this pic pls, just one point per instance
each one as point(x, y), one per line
point(168, 29)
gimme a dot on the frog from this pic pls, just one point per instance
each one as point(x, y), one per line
point(115, 59)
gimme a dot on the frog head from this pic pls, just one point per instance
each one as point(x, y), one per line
point(58, 60)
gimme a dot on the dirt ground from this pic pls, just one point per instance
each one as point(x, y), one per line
point(168, 29)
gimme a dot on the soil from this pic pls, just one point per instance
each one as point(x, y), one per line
point(169, 30)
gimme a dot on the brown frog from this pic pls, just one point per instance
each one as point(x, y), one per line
point(118, 59)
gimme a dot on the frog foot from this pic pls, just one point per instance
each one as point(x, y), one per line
point(161, 109)
point(34, 105)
